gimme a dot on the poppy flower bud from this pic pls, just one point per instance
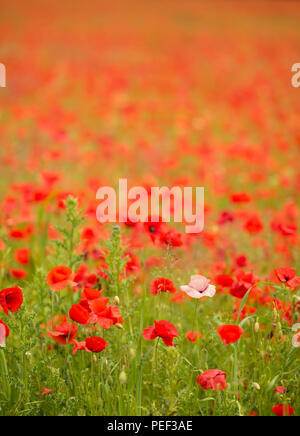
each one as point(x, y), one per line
point(256, 327)
point(119, 326)
point(132, 353)
point(117, 299)
point(123, 377)
point(256, 386)
point(28, 355)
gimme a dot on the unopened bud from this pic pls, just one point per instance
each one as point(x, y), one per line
point(117, 299)
point(119, 326)
point(256, 327)
point(132, 353)
point(256, 386)
point(123, 377)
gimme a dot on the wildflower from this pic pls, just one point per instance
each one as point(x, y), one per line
point(11, 299)
point(214, 379)
point(288, 276)
point(161, 284)
point(230, 333)
point(253, 225)
point(79, 314)
point(22, 256)
point(88, 295)
point(46, 391)
point(245, 280)
point(103, 315)
point(199, 287)
point(59, 278)
point(283, 410)
point(280, 390)
point(224, 280)
point(63, 331)
point(240, 197)
point(163, 329)
point(192, 336)
point(95, 344)
point(19, 274)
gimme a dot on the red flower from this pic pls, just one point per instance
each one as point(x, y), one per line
point(283, 410)
point(19, 273)
point(240, 197)
point(22, 256)
point(230, 333)
point(214, 379)
point(280, 390)
point(64, 332)
point(79, 314)
point(87, 295)
point(105, 316)
point(59, 278)
point(173, 239)
point(162, 285)
point(224, 280)
point(11, 299)
point(192, 336)
point(244, 282)
point(95, 344)
point(254, 225)
point(288, 276)
point(46, 391)
point(162, 329)
point(4, 332)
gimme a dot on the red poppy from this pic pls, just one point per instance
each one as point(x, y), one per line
point(244, 282)
point(225, 217)
point(95, 344)
point(161, 284)
point(224, 280)
point(280, 390)
point(283, 410)
point(22, 256)
point(253, 413)
point(230, 333)
point(59, 278)
point(4, 332)
point(172, 239)
point(254, 225)
point(103, 315)
point(11, 299)
point(192, 336)
point(89, 294)
point(214, 379)
point(288, 276)
point(155, 229)
point(46, 391)
point(63, 331)
point(240, 197)
point(79, 314)
point(19, 273)
point(162, 329)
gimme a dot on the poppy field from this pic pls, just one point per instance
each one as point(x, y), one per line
point(142, 318)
